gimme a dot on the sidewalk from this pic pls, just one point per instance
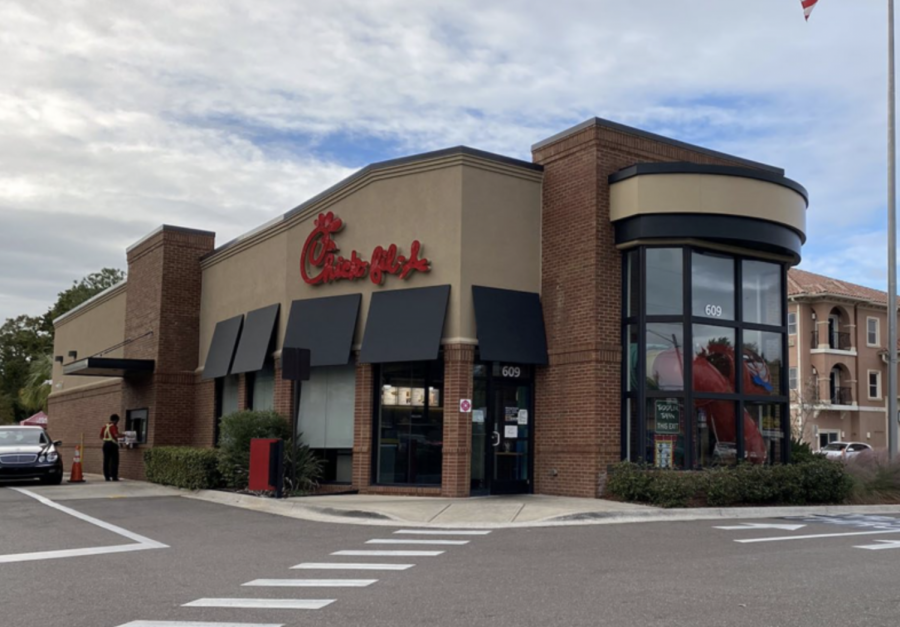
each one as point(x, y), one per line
point(492, 512)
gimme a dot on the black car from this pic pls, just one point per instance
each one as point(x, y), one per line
point(28, 453)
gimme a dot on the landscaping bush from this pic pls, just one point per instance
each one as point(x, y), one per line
point(235, 432)
point(876, 479)
point(183, 467)
point(801, 452)
point(309, 470)
point(814, 482)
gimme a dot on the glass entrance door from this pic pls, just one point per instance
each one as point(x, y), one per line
point(510, 437)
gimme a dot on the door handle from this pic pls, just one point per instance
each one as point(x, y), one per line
point(495, 438)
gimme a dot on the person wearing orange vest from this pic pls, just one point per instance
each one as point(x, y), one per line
point(110, 436)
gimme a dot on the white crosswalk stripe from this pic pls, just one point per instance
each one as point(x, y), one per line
point(312, 583)
point(390, 553)
point(444, 532)
point(347, 566)
point(181, 623)
point(411, 541)
point(263, 604)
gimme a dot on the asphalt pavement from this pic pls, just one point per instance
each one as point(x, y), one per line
point(799, 572)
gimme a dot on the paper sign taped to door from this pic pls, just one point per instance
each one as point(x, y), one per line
point(511, 431)
point(478, 415)
point(523, 416)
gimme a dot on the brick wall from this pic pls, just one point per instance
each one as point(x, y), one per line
point(578, 398)
point(362, 428)
point(457, 465)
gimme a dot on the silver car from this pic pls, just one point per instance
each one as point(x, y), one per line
point(844, 450)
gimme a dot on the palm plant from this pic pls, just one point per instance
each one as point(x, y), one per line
point(33, 396)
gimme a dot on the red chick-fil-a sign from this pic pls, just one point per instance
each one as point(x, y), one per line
point(319, 263)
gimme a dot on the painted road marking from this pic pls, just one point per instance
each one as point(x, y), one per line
point(342, 566)
point(410, 541)
point(263, 604)
point(885, 544)
point(312, 583)
point(142, 543)
point(181, 623)
point(744, 526)
point(444, 532)
point(819, 535)
point(390, 553)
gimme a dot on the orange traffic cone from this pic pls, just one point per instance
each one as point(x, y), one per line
point(76, 476)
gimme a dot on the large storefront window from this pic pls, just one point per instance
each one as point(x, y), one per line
point(325, 419)
point(704, 338)
point(410, 423)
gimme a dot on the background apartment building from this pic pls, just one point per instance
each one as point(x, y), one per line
point(837, 338)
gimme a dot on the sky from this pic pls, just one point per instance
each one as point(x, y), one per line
point(116, 117)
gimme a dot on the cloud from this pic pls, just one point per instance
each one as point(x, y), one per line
point(115, 117)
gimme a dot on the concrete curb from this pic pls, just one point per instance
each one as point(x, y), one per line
point(303, 511)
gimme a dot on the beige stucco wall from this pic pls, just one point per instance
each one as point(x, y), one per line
point(94, 327)
point(478, 223)
point(707, 193)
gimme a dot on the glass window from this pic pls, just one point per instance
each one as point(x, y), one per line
point(715, 442)
point(410, 423)
point(665, 432)
point(792, 323)
point(229, 401)
point(872, 331)
point(136, 420)
point(632, 432)
point(262, 396)
point(337, 464)
point(665, 357)
point(327, 403)
point(793, 378)
point(664, 282)
point(762, 363)
point(712, 286)
point(631, 358)
point(763, 433)
point(633, 282)
point(761, 292)
point(874, 384)
point(713, 366)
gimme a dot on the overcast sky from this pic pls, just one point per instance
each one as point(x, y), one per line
point(116, 117)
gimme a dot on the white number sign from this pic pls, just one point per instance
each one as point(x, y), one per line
point(511, 371)
point(714, 311)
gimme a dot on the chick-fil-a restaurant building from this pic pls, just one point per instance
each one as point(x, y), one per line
point(477, 324)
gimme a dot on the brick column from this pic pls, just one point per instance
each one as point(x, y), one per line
point(457, 452)
point(242, 392)
point(362, 428)
point(284, 393)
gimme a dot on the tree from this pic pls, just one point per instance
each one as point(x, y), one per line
point(805, 408)
point(33, 396)
point(83, 290)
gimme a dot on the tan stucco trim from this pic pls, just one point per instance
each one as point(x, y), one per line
point(92, 303)
point(717, 194)
point(284, 223)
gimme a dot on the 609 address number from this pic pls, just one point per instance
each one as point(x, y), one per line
point(714, 311)
point(511, 371)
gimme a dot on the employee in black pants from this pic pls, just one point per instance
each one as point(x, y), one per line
point(110, 436)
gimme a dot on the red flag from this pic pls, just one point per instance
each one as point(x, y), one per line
point(808, 7)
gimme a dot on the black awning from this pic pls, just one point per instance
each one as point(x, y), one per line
point(221, 349)
point(510, 326)
point(405, 325)
point(108, 367)
point(257, 340)
point(325, 326)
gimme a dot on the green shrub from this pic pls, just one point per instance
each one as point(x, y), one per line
point(814, 482)
point(309, 469)
point(236, 431)
point(183, 467)
point(801, 452)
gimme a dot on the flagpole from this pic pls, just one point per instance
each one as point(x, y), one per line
point(892, 245)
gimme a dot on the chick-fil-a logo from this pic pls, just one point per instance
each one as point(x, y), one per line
point(320, 264)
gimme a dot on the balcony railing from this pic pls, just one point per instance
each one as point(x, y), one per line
point(837, 340)
point(842, 396)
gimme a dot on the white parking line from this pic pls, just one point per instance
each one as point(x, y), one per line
point(142, 542)
point(390, 553)
point(181, 623)
point(263, 604)
point(818, 535)
point(346, 566)
point(444, 532)
point(411, 541)
point(312, 583)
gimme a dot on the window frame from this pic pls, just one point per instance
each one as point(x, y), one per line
point(129, 418)
point(792, 323)
point(877, 322)
point(877, 374)
point(793, 378)
point(636, 422)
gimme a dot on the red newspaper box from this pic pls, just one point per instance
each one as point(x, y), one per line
point(260, 464)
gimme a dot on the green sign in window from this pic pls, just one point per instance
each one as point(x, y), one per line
point(668, 417)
